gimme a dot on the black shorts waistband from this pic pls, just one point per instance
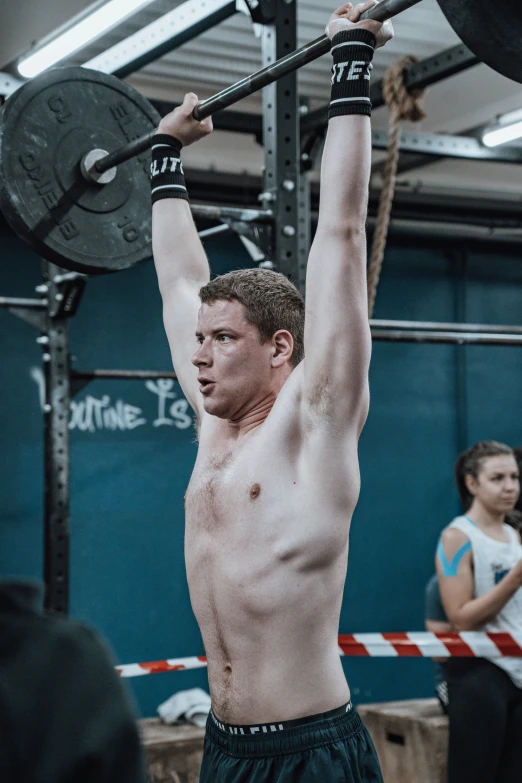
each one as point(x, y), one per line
point(295, 736)
point(269, 728)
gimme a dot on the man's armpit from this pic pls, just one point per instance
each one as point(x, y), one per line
point(320, 398)
point(197, 424)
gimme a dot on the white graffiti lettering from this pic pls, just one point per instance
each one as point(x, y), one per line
point(163, 388)
point(179, 412)
point(93, 414)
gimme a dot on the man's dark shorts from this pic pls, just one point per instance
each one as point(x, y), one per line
point(330, 750)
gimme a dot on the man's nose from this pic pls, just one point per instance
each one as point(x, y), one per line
point(201, 357)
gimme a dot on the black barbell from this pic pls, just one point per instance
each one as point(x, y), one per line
point(59, 189)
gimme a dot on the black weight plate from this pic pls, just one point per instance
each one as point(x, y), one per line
point(46, 128)
point(493, 31)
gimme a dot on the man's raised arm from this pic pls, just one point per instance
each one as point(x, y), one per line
point(337, 335)
point(181, 263)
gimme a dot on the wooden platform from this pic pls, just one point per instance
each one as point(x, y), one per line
point(173, 752)
point(411, 738)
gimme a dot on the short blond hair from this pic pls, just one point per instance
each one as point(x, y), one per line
point(270, 300)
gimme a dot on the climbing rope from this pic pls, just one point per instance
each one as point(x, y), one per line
point(402, 105)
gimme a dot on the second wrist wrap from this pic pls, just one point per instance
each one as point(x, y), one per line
point(166, 168)
point(352, 52)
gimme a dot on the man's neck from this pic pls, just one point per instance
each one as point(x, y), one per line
point(250, 417)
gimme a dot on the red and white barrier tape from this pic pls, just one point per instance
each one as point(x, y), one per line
point(415, 644)
point(158, 667)
point(418, 644)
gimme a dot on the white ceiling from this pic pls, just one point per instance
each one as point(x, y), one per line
point(230, 51)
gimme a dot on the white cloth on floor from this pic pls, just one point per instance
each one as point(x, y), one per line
point(191, 706)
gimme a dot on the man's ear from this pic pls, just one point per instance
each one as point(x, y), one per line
point(283, 347)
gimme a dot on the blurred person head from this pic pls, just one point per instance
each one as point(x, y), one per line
point(488, 474)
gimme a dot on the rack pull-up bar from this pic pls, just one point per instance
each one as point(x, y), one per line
point(420, 332)
point(436, 326)
point(30, 304)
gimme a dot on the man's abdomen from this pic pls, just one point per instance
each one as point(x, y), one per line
point(270, 633)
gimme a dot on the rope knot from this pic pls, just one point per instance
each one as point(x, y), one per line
point(404, 104)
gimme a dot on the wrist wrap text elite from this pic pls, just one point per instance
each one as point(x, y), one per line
point(166, 168)
point(352, 52)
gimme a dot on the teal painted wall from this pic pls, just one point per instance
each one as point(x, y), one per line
point(127, 573)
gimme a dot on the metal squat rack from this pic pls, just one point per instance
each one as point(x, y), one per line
point(280, 230)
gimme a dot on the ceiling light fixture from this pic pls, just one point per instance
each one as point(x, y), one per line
point(166, 33)
point(508, 128)
point(79, 35)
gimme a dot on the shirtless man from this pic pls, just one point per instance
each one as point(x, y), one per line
point(276, 479)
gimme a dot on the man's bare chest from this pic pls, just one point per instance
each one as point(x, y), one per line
point(231, 484)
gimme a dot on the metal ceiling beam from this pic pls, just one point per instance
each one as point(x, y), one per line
point(446, 146)
point(493, 220)
point(227, 188)
point(437, 145)
point(430, 71)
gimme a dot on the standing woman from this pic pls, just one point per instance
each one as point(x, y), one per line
point(479, 566)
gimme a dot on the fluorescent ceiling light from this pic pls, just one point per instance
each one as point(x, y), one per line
point(503, 135)
point(156, 34)
point(79, 35)
point(507, 129)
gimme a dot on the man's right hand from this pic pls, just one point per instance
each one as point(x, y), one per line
point(181, 124)
point(347, 18)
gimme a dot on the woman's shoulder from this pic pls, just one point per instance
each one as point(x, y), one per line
point(454, 546)
point(454, 536)
point(459, 528)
